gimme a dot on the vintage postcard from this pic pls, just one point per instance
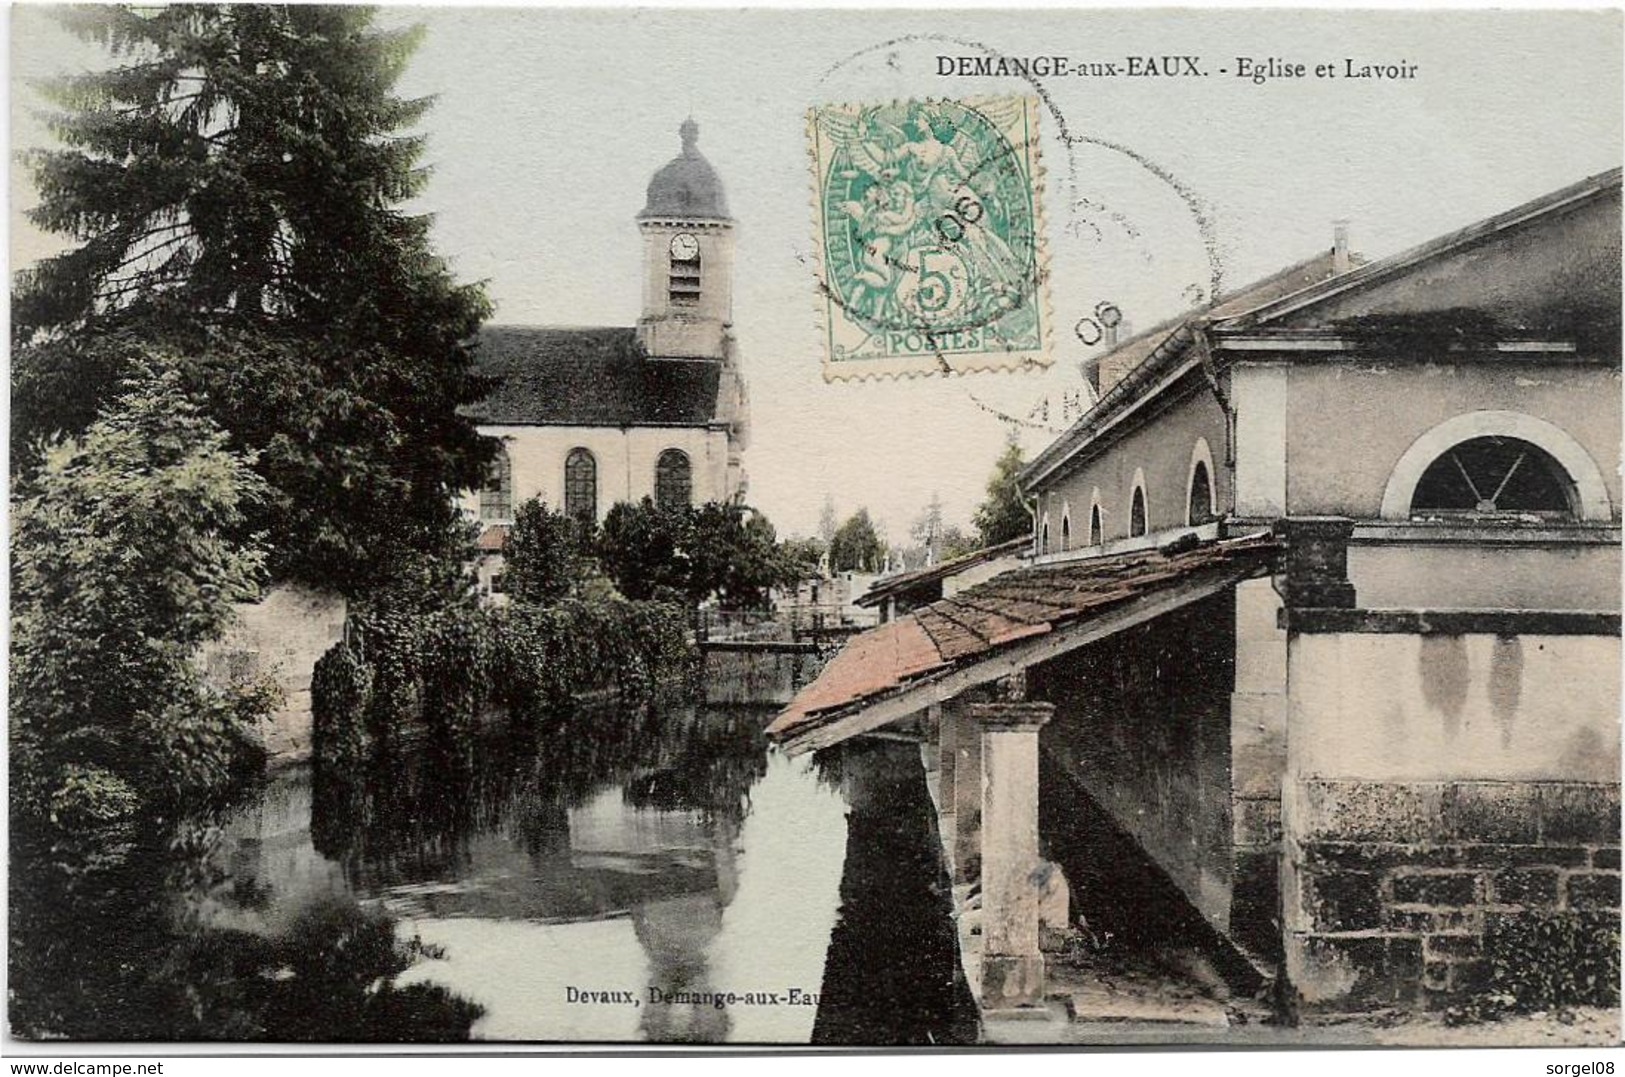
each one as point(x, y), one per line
point(543, 527)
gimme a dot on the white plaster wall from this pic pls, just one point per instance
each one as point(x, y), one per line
point(1399, 707)
point(1258, 393)
point(1461, 576)
point(626, 461)
point(961, 581)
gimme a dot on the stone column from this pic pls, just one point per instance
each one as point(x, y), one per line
point(947, 759)
point(967, 798)
point(1315, 572)
point(1012, 966)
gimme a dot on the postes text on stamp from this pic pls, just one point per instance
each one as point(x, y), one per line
point(929, 230)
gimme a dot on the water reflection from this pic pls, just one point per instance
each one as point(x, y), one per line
point(603, 877)
point(893, 974)
point(599, 856)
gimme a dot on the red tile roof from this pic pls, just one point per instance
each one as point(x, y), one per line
point(1013, 606)
point(494, 538)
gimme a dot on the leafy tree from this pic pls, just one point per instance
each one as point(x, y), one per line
point(120, 570)
point(645, 550)
point(826, 521)
point(233, 184)
point(803, 555)
point(549, 555)
point(737, 557)
point(1003, 515)
point(722, 551)
point(856, 545)
point(926, 530)
point(943, 540)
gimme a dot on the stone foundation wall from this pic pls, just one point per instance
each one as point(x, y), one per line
point(1392, 887)
point(280, 636)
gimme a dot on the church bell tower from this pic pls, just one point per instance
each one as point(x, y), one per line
point(688, 255)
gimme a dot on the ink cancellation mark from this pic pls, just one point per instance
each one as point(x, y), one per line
point(929, 232)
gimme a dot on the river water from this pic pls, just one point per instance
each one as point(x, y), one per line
point(618, 877)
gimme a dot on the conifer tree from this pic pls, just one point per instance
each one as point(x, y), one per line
point(234, 184)
point(1004, 515)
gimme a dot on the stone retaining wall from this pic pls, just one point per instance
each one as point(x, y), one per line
point(280, 636)
point(1396, 884)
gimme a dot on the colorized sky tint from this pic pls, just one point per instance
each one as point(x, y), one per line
point(548, 125)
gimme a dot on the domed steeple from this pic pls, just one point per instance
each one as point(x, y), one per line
point(687, 186)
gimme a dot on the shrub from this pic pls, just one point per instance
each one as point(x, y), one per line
point(120, 571)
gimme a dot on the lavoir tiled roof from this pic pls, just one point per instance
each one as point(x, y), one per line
point(588, 377)
point(1013, 608)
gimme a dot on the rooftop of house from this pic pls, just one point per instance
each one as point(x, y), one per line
point(905, 582)
point(1151, 355)
point(600, 376)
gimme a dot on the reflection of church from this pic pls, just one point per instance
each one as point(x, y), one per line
point(588, 417)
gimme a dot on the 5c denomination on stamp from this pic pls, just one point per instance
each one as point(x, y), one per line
point(929, 231)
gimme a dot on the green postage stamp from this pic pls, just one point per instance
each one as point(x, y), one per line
point(929, 231)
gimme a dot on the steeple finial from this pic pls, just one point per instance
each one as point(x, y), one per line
point(690, 131)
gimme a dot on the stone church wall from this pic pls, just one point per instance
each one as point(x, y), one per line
point(626, 461)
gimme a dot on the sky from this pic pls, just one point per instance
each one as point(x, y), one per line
point(548, 124)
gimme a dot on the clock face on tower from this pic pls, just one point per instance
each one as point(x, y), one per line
point(684, 247)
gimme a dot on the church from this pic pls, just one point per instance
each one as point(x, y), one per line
point(588, 417)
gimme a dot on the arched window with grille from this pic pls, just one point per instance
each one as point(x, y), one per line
point(496, 496)
point(1043, 537)
point(674, 480)
point(1066, 532)
point(1136, 513)
point(1494, 477)
point(581, 485)
point(1096, 533)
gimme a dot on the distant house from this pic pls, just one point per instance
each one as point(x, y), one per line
point(588, 417)
point(1324, 612)
point(828, 601)
point(895, 595)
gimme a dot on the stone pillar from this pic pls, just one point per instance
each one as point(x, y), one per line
point(1012, 966)
point(947, 759)
point(967, 798)
point(1315, 573)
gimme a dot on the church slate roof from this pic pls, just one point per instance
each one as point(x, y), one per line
point(687, 186)
point(588, 377)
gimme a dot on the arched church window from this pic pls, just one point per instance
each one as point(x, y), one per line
point(1096, 535)
point(1136, 513)
point(1200, 510)
point(1494, 477)
point(1066, 533)
point(580, 485)
point(1043, 539)
point(674, 482)
point(496, 496)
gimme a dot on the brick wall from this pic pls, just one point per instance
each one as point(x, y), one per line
point(1394, 885)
